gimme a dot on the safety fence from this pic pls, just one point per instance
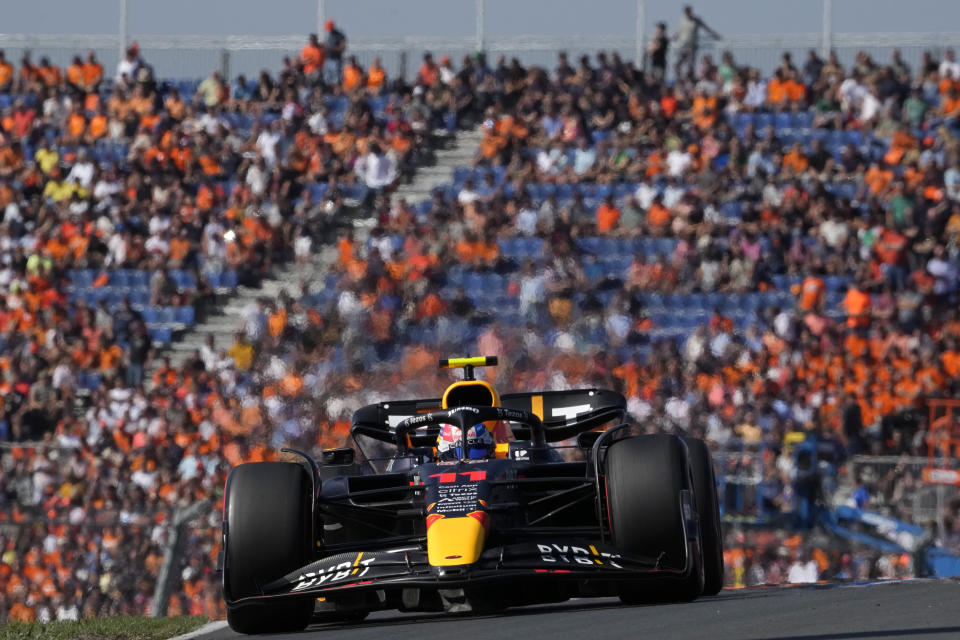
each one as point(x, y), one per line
point(190, 57)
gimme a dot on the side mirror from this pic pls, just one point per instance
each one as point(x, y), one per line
point(343, 455)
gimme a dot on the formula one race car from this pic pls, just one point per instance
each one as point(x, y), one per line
point(470, 502)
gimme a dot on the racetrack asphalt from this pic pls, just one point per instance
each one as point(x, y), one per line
point(922, 609)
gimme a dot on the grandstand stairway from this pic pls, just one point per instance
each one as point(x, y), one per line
point(460, 153)
point(223, 326)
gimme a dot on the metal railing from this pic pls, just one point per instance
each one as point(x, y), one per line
point(183, 57)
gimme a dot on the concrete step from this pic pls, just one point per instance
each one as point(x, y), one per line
point(225, 324)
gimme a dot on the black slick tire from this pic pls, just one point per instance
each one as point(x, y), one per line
point(644, 478)
point(708, 511)
point(268, 534)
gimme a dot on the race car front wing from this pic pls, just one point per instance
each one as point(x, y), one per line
point(409, 567)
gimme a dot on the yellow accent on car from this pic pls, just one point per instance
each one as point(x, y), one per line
point(470, 392)
point(472, 361)
point(454, 541)
point(536, 405)
point(502, 450)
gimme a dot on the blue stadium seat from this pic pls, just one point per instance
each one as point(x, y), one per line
point(185, 315)
point(598, 135)
point(456, 277)
point(761, 121)
point(494, 283)
point(184, 280)
point(834, 283)
point(732, 210)
point(230, 279)
point(781, 122)
point(161, 335)
point(593, 271)
point(780, 281)
point(121, 278)
point(665, 246)
point(139, 298)
point(769, 299)
point(802, 120)
point(460, 175)
point(140, 279)
point(165, 315)
point(590, 245)
point(473, 282)
point(740, 122)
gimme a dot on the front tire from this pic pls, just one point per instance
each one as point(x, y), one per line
point(708, 511)
point(644, 476)
point(268, 534)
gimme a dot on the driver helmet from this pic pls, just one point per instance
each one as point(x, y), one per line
point(480, 443)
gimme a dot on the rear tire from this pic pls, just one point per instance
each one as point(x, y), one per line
point(644, 476)
point(708, 511)
point(268, 534)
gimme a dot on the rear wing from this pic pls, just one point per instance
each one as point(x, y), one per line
point(565, 414)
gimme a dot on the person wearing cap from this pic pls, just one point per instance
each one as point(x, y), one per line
point(447, 74)
point(127, 68)
point(335, 45)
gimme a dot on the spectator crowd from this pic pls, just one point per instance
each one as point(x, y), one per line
point(749, 258)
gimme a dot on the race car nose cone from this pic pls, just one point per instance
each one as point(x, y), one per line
point(455, 541)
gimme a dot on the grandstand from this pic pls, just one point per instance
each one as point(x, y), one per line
point(758, 259)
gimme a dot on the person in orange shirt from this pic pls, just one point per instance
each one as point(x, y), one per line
point(796, 91)
point(6, 73)
point(795, 159)
point(76, 123)
point(20, 612)
point(352, 75)
point(857, 305)
point(704, 111)
point(277, 321)
point(376, 77)
point(429, 71)
point(812, 292)
point(92, 73)
point(878, 178)
point(776, 90)
point(608, 216)
point(49, 73)
point(179, 249)
point(492, 142)
point(668, 103)
point(311, 57)
point(950, 359)
point(951, 103)
point(658, 216)
point(75, 74)
point(98, 125)
point(175, 106)
point(29, 73)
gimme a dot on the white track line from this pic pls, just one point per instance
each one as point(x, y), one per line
point(210, 627)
